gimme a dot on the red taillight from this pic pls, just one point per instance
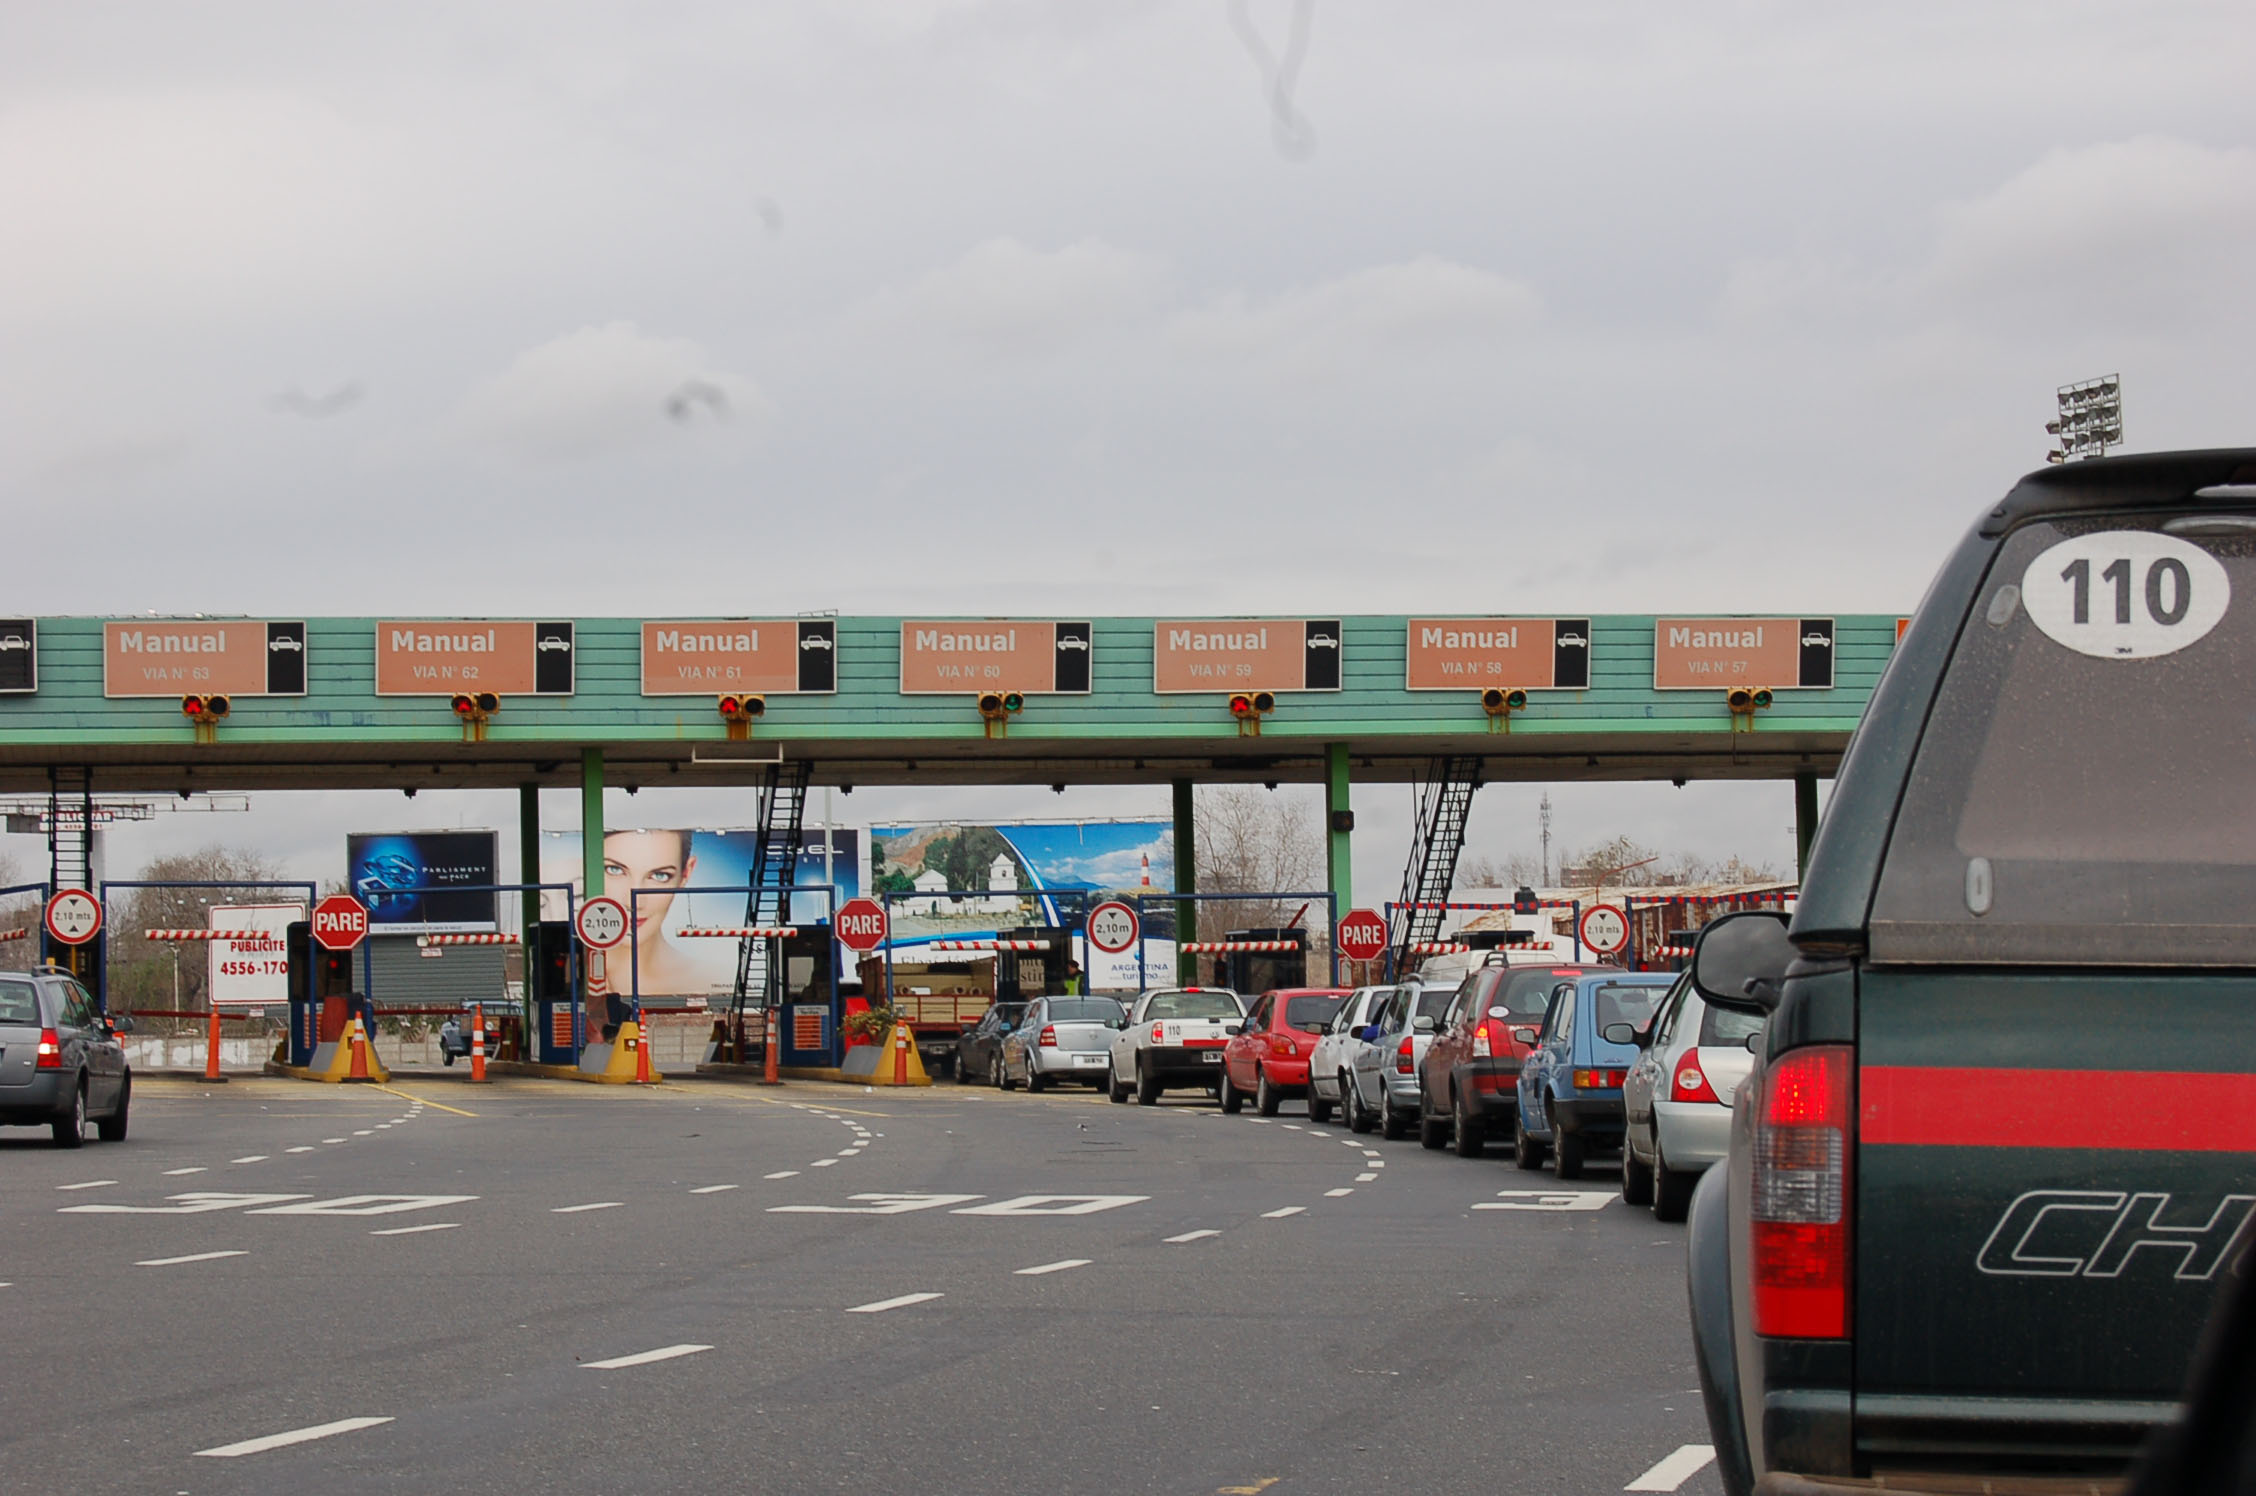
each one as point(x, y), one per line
point(1799, 1197)
point(1049, 1037)
point(50, 1050)
point(1282, 1044)
point(1482, 1047)
point(1599, 1080)
point(1159, 1033)
point(1691, 1082)
point(1402, 1059)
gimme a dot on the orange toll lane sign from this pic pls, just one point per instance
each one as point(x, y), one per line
point(1034, 657)
point(1246, 654)
point(207, 656)
point(1712, 654)
point(440, 656)
point(773, 656)
point(1460, 654)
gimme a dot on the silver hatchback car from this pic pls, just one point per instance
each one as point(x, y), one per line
point(1677, 1097)
point(61, 1064)
point(1060, 1038)
point(1382, 1073)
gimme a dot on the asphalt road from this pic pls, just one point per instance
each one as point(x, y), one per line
point(878, 1291)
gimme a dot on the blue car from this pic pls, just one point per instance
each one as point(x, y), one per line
point(1571, 1083)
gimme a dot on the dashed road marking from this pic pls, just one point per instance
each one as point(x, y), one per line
point(1344, 1189)
point(254, 1158)
point(1365, 1178)
point(1052, 1267)
point(823, 1163)
point(332, 1140)
point(1176, 1241)
point(176, 1173)
point(91, 1184)
point(364, 1132)
point(414, 1230)
point(1282, 1211)
point(294, 1436)
point(644, 1358)
point(307, 1148)
point(1675, 1468)
point(712, 1189)
point(565, 1210)
point(191, 1257)
point(903, 1302)
point(782, 1174)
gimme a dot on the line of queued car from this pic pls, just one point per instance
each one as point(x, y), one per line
point(1558, 1061)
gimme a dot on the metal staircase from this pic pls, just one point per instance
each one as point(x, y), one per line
point(1445, 799)
point(70, 827)
point(775, 869)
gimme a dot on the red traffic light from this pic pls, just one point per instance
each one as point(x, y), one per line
point(742, 708)
point(463, 705)
point(205, 708)
point(191, 706)
point(1241, 705)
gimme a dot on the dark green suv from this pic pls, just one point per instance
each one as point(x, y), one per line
point(2000, 1150)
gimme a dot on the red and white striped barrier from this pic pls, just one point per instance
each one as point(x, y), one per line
point(738, 932)
point(989, 945)
point(428, 940)
point(1438, 948)
point(197, 934)
point(1676, 950)
point(15, 935)
point(1198, 947)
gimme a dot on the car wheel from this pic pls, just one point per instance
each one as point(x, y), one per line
point(111, 1129)
point(1147, 1086)
point(1114, 1090)
point(1319, 1110)
point(1266, 1097)
point(1035, 1079)
point(70, 1126)
point(1672, 1188)
point(1002, 1073)
point(1433, 1132)
point(1359, 1118)
point(1637, 1177)
point(1394, 1126)
point(1469, 1135)
point(1233, 1099)
point(1566, 1152)
point(1527, 1151)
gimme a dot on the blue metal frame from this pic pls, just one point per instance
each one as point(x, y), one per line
point(572, 970)
point(1079, 896)
point(1143, 922)
point(102, 972)
point(829, 892)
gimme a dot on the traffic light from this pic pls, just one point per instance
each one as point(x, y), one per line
point(740, 711)
point(996, 708)
point(1745, 701)
point(474, 709)
point(205, 712)
point(1500, 704)
point(1249, 707)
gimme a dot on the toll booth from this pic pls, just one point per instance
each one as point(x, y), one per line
point(807, 1024)
point(548, 975)
point(321, 993)
point(1261, 971)
point(1021, 975)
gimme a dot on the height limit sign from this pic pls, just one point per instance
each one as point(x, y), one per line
point(1113, 927)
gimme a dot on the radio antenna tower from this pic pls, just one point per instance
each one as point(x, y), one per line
point(1543, 819)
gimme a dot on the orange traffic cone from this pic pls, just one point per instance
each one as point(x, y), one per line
point(356, 1040)
point(211, 1049)
point(478, 1042)
point(642, 1052)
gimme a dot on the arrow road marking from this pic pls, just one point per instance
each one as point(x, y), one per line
point(294, 1436)
point(644, 1358)
point(1675, 1469)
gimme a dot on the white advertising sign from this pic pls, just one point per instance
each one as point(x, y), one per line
point(252, 969)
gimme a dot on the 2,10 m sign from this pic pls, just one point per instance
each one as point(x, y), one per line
point(2123, 594)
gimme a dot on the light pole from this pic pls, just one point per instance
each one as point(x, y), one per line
point(2090, 419)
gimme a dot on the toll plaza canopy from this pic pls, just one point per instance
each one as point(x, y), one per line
point(333, 703)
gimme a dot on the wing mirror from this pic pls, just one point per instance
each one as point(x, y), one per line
point(1624, 1033)
point(1368, 1033)
point(1233, 1028)
point(1523, 1036)
point(121, 1024)
point(1422, 1024)
point(1740, 960)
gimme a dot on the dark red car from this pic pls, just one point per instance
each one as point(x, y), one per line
point(1468, 1083)
point(1268, 1057)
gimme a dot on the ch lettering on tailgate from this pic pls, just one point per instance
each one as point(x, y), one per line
point(2096, 1233)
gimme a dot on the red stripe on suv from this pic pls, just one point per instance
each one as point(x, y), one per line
point(1935, 1107)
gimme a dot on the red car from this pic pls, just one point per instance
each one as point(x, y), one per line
point(1468, 1083)
point(1268, 1057)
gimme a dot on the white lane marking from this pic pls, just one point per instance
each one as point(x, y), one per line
point(366, 1205)
point(712, 1189)
point(875, 1205)
point(1175, 1241)
point(294, 1436)
point(196, 1202)
point(782, 1174)
point(91, 1184)
point(1370, 1153)
point(364, 1132)
point(1674, 1469)
point(1052, 1205)
point(824, 1163)
point(307, 1148)
point(1024, 1272)
point(327, 1140)
point(412, 1230)
point(565, 1210)
point(1365, 1178)
point(1281, 1212)
point(849, 1153)
point(175, 1173)
point(1378, 1163)
point(192, 1257)
point(644, 1358)
point(1551, 1200)
point(254, 1158)
point(1292, 1127)
point(1342, 1190)
point(903, 1302)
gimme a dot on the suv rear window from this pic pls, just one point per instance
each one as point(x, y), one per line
point(2082, 789)
point(19, 1003)
point(1311, 1013)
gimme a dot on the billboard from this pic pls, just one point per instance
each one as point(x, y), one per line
point(658, 959)
point(438, 657)
point(1705, 654)
point(424, 882)
point(1246, 654)
point(1458, 654)
point(252, 969)
point(959, 880)
point(1033, 658)
point(228, 657)
point(774, 656)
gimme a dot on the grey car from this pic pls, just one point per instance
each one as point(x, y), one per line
point(1677, 1098)
point(60, 1060)
point(1327, 1067)
point(1061, 1038)
point(979, 1050)
point(1382, 1074)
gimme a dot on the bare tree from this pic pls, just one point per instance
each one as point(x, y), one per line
point(1257, 842)
point(19, 913)
point(142, 971)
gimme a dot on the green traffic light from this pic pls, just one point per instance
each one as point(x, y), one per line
point(1014, 702)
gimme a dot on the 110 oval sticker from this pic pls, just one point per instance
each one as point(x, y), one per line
point(2124, 594)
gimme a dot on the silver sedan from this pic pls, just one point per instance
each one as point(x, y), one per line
point(1327, 1067)
point(1382, 1074)
point(1061, 1038)
point(1677, 1098)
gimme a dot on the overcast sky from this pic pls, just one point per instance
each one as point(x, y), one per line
point(971, 306)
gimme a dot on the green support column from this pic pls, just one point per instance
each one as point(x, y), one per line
point(1805, 821)
point(591, 822)
point(528, 871)
point(1186, 881)
point(1338, 817)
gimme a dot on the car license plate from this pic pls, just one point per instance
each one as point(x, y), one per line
point(1213, 1057)
point(1088, 1059)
